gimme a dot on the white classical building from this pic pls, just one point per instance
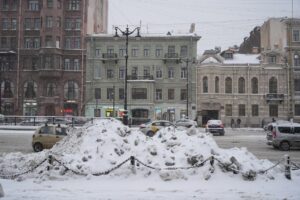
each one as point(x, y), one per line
point(247, 89)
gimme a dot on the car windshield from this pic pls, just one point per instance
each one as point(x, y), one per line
point(214, 122)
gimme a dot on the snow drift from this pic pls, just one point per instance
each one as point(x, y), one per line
point(101, 145)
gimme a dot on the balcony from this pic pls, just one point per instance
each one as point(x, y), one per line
point(50, 73)
point(110, 57)
point(171, 57)
point(274, 98)
point(139, 78)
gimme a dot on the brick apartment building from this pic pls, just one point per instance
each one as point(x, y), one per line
point(42, 54)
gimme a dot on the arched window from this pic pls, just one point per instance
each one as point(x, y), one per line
point(30, 90)
point(51, 90)
point(241, 85)
point(71, 90)
point(7, 89)
point(217, 84)
point(254, 85)
point(228, 85)
point(205, 84)
point(273, 85)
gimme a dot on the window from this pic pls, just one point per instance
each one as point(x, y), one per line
point(76, 65)
point(242, 110)
point(297, 109)
point(27, 23)
point(296, 35)
point(146, 71)
point(273, 110)
point(5, 23)
point(228, 85)
point(58, 4)
point(27, 43)
point(48, 62)
point(205, 84)
point(254, 85)
point(68, 23)
point(158, 94)
point(72, 43)
point(36, 43)
point(97, 93)
point(146, 52)
point(51, 90)
point(228, 110)
point(183, 51)
point(49, 3)
point(273, 85)
point(217, 90)
point(158, 72)
point(74, 4)
point(121, 93)
point(30, 90)
point(241, 85)
point(8, 109)
point(49, 41)
point(272, 59)
point(37, 23)
point(34, 63)
point(297, 85)
point(171, 94)
point(71, 90)
point(183, 94)
point(255, 111)
point(183, 73)
point(7, 89)
point(77, 42)
point(110, 73)
point(134, 72)
point(158, 52)
point(297, 60)
point(134, 52)
point(14, 24)
point(121, 72)
point(78, 24)
point(97, 71)
point(5, 5)
point(122, 52)
point(33, 5)
point(58, 22)
point(171, 49)
point(98, 53)
point(170, 72)
point(15, 4)
point(67, 64)
point(139, 93)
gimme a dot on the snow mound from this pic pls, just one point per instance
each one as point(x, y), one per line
point(100, 146)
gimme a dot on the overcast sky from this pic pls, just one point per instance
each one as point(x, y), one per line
point(219, 22)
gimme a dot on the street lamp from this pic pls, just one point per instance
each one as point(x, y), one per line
point(187, 61)
point(126, 33)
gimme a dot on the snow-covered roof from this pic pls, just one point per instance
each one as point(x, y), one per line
point(243, 59)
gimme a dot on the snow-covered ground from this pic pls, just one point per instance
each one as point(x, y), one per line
point(96, 148)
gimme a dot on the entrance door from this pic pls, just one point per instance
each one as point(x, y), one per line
point(209, 114)
point(50, 110)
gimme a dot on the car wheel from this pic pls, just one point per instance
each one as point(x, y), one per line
point(284, 146)
point(37, 147)
point(150, 133)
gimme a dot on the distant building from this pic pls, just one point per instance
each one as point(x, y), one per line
point(232, 86)
point(280, 42)
point(157, 76)
point(42, 54)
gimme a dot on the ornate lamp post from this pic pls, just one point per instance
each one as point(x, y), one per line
point(126, 33)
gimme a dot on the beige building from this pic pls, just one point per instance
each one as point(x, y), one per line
point(281, 36)
point(238, 87)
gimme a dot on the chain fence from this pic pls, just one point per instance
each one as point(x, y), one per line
point(233, 166)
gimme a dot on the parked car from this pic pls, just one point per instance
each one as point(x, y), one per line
point(269, 130)
point(286, 136)
point(151, 128)
point(215, 126)
point(186, 123)
point(47, 135)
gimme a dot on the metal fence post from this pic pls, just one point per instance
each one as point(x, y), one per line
point(132, 163)
point(287, 167)
point(1, 191)
point(50, 162)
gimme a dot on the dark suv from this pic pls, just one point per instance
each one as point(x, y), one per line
point(285, 136)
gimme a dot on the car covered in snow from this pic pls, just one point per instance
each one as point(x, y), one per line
point(286, 136)
point(151, 128)
point(47, 135)
point(186, 123)
point(215, 126)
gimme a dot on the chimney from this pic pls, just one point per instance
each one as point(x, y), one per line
point(276, 46)
point(192, 28)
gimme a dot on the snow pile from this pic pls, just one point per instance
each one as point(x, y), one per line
point(101, 146)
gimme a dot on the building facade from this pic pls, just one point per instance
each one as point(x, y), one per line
point(282, 36)
point(241, 89)
point(160, 74)
point(42, 54)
